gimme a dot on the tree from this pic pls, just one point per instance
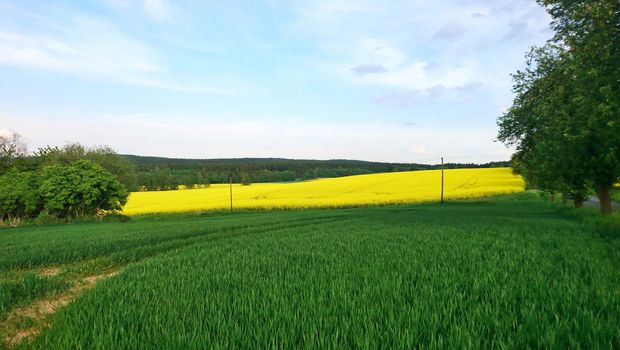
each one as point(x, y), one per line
point(591, 32)
point(11, 148)
point(19, 195)
point(105, 156)
point(80, 189)
point(245, 179)
point(565, 119)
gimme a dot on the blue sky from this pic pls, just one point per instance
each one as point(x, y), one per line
point(406, 81)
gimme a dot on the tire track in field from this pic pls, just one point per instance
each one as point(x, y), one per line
point(94, 252)
point(40, 311)
point(12, 329)
point(148, 250)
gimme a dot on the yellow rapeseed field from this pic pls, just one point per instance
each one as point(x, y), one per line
point(371, 189)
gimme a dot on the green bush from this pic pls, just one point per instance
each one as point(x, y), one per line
point(80, 189)
point(19, 195)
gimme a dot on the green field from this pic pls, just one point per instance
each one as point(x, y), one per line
point(510, 271)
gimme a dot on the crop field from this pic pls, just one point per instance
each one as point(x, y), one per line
point(510, 271)
point(360, 190)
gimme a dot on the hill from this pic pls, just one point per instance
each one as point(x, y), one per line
point(155, 173)
point(349, 191)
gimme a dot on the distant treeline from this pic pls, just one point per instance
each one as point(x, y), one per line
point(158, 173)
point(139, 173)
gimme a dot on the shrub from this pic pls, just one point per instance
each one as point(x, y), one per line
point(80, 189)
point(19, 195)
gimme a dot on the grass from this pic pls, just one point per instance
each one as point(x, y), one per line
point(25, 289)
point(511, 271)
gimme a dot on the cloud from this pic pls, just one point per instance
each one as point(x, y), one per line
point(402, 99)
point(155, 9)
point(436, 92)
point(380, 51)
point(419, 76)
point(450, 31)
point(369, 69)
point(94, 48)
point(72, 43)
point(467, 47)
point(518, 30)
point(143, 134)
point(158, 9)
point(361, 53)
point(315, 14)
point(95, 51)
point(469, 87)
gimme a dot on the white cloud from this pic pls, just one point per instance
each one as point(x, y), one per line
point(417, 76)
point(214, 138)
point(369, 69)
point(450, 31)
point(158, 9)
point(96, 49)
point(422, 44)
point(321, 12)
point(380, 51)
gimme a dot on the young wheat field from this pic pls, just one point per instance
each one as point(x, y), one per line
point(498, 272)
point(360, 190)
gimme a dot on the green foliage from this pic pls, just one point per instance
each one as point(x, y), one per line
point(106, 157)
point(245, 179)
point(80, 189)
point(12, 149)
point(73, 181)
point(161, 180)
point(19, 195)
point(510, 272)
point(156, 173)
point(615, 194)
point(565, 119)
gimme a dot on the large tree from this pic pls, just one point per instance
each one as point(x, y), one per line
point(565, 119)
point(105, 156)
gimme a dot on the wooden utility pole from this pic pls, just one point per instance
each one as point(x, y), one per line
point(441, 179)
point(230, 186)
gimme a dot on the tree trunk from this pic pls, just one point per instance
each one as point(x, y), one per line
point(564, 198)
point(604, 196)
point(578, 200)
point(552, 196)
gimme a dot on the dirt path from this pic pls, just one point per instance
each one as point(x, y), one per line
point(39, 311)
point(595, 202)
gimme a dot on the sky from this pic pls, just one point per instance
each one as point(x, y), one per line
point(394, 81)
